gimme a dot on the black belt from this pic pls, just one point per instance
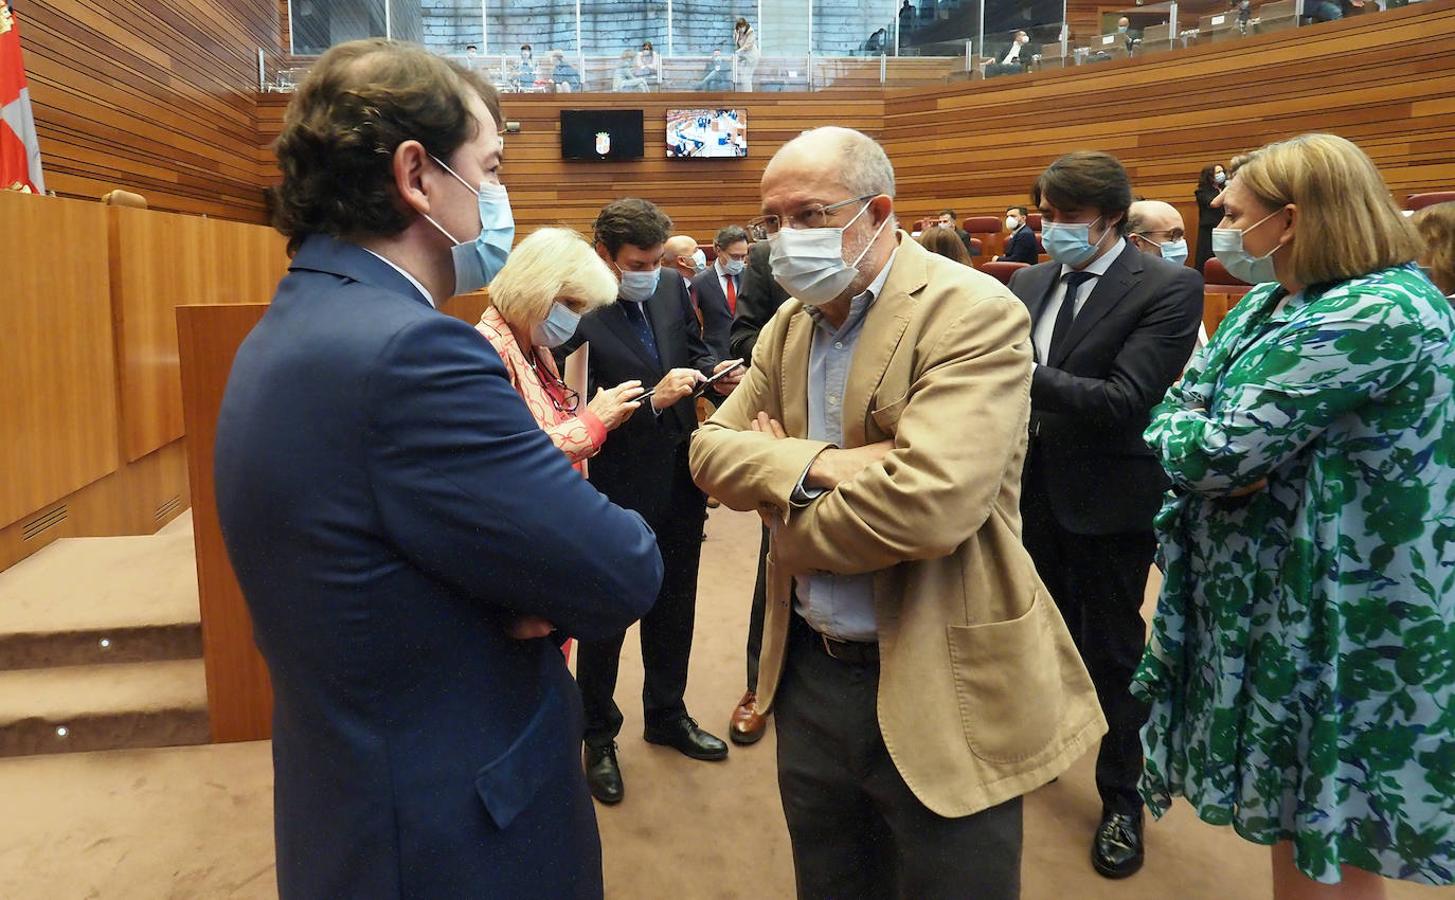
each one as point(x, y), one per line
point(858, 653)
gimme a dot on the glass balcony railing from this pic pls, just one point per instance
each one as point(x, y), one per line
point(628, 46)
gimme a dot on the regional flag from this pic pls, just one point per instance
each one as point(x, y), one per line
point(19, 149)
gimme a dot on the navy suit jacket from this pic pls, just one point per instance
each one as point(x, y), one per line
point(389, 506)
point(1021, 247)
point(1091, 401)
point(717, 322)
point(643, 465)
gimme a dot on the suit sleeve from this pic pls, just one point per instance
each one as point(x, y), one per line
point(473, 492)
point(739, 466)
point(963, 421)
point(758, 300)
point(1150, 360)
point(717, 322)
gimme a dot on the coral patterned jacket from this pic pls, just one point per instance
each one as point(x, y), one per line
point(578, 435)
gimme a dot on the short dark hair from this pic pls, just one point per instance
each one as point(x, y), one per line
point(1020, 209)
point(359, 102)
point(1087, 178)
point(471, 47)
point(950, 213)
point(631, 220)
point(728, 236)
point(526, 47)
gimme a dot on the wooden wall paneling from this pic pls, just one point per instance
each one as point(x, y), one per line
point(57, 378)
point(155, 96)
point(239, 694)
point(159, 261)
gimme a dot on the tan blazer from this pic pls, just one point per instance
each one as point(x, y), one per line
point(982, 695)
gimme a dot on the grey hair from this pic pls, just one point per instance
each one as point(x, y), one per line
point(864, 167)
point(728, 236)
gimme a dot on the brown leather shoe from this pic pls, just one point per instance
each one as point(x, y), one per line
point(747, 725)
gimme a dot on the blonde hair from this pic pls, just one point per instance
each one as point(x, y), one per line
point(1436, 226)
point(552, 264)
point(1348, 224)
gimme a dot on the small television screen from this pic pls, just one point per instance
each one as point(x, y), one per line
point(601, 134)
point(707, 133)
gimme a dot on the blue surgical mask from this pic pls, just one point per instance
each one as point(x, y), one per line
point(735, 266)
point(557, 329)
point(1227, 245)
point(1174, 251)
point(699, 260)
point(638, 286)
point(1121, 29)
point(1220, 178)
point(477, 262)
point(1070, 243)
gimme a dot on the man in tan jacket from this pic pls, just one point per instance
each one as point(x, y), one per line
point(920, 677)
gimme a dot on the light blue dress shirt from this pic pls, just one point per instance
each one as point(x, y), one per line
point(840, 606)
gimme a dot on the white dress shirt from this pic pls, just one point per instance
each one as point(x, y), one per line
point(1013, 54)
point(1046, 324)
point(723, 276)
point(412, 280)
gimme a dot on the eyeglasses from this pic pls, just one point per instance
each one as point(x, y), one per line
point(562, 397)
point(815, 216)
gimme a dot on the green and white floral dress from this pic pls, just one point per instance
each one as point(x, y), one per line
point(1301, 670)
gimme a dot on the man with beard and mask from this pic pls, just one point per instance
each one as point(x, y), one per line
point(645, 337)
point(920, 678)
point(405, 535)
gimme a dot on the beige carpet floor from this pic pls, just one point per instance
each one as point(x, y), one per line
point(196, 822)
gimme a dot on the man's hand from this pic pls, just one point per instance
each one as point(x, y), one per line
point(832, 467)
point(526, 628)
point(766, 424)
point(674, 386)
point(726, 383)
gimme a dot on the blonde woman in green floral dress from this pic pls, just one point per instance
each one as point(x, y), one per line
point(1302, 664)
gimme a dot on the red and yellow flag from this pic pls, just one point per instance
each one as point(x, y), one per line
point(19, 149)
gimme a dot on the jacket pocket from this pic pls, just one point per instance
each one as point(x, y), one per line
point(886, 418)
point(1008, 684)
point(508, 783)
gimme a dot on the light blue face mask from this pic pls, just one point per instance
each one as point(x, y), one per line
point(1174, 251)
point(477, 262)
point(1070, 243)
point(1227, 246)
point(638, 286)
point(735, 266)
point(557, 329)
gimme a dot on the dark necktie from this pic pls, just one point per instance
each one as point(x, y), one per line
point(638, 317)
point(1067, 313)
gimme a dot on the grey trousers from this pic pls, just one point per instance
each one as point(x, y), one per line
point(856, 828)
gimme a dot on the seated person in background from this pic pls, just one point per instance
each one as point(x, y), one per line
point(551, 280)
point(509, 79)
point(944, 242)
point(1014, 58)
point(648, 64)
point(1436, 225)
point(563, 74)
point(526, 65)
point(950, 222)
point(718, 76)
point(1021, 246)
point(1323, 10)
point(876, 43)
point(625, 79)
point(1129, 37)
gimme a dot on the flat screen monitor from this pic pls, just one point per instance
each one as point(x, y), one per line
point(707, 133)
point(601, 134)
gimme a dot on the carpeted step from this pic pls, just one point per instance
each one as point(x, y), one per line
point(105, 707)
point(90, 601)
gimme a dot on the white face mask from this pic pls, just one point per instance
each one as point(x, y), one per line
point(1227, 245)
point(809, 262)
point(1012, 223)
point(699, 260)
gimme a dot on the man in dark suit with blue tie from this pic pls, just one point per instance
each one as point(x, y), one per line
point(1111, 328)
point(645, 336)
point(404, 533)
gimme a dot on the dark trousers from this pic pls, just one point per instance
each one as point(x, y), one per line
point(755, 618)
point(666, 631)
point(856, 828)
point(1097, 582)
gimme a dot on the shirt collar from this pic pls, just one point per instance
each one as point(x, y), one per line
point(861, 302)
point(412, 280)
point(1103, 262)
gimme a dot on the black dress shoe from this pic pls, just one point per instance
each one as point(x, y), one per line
point(1117, 850)
point(603, 775)
point(686, 738)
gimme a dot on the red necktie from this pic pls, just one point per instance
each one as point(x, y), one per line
point(732, 295)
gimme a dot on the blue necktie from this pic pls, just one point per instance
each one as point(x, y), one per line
point(638, 317)
point(1067, 313)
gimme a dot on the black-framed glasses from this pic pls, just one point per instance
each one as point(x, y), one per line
point(562, 397)
point(815, 216)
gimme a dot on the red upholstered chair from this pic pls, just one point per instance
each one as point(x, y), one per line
point(709, 250)
point(976, 247)
point(1001, 271)
point(981, 226)
point(1214, 273)
point(1416, 202)
point(1035, 220)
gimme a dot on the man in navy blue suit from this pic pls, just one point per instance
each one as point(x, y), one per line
point(406, 536)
